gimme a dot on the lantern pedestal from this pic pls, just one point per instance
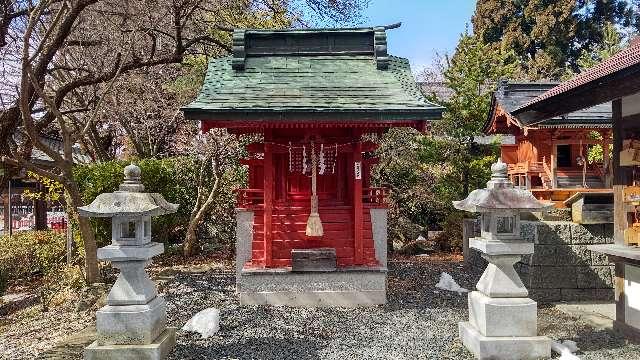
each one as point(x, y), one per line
point(502, 319)
point(133, 324)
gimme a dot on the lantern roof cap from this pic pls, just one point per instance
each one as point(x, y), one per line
point(500, 194)
point(129, 200)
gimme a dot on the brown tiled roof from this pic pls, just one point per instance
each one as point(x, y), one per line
point(622, 60)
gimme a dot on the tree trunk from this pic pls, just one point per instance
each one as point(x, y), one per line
point(92, 272)
point(465, 182)
point(191, 240)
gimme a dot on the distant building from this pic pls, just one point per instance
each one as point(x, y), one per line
point(551, 157)
point(20, 213)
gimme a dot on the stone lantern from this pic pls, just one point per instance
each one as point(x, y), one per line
point(502, 319)
point(133, 323)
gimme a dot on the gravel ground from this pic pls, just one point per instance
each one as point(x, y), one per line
point(419, 321)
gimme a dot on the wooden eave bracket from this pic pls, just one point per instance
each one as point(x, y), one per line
point(239, 52)
point(380, 47)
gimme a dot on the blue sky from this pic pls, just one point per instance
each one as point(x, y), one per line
point(427, 26)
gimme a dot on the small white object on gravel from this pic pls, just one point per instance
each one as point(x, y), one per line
point(206, 323)
point(448, 283)
point(565, 349)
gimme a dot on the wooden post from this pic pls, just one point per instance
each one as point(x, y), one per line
point(606, 158)
point(69, 233)
point(358, 222)
point(619, 213)
point(554, 165)
point(7, 219)
point(10, 210)
point(268, 198)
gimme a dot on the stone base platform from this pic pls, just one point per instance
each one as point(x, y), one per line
point(504, 348)
point(157, 350)
point(351, 287)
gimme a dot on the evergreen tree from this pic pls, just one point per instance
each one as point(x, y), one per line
point(549, 36)
point(472, 74)
point(611, 43)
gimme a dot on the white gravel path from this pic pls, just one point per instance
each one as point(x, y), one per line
point(419, 322)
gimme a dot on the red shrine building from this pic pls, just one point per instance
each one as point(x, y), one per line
point(311, 227)
point(550, 158)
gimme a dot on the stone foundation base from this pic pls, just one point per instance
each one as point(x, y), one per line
point(342, 288)
point(504, 348)
point(157, 350)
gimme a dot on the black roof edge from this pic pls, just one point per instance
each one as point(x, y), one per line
point(581, 97)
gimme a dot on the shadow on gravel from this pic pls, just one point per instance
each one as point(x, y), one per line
point(264, 348)
point(590, 339)
point(413, 285)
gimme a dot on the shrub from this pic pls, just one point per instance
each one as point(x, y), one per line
point(31, 252)
point(451, 236)
point(176, 179)
point(160, 176)
point(3, 283)
point(61, 285)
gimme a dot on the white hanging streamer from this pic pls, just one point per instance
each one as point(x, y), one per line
point(290, 163)
point(335, 160)
point(323, 166)
point(304, 159)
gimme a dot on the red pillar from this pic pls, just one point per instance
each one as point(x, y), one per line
point(268, 198)
point(358, 222)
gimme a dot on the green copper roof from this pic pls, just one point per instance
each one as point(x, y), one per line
point(301, 84)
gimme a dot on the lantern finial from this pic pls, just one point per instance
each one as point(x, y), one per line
point(132, 181)
point(499, 176)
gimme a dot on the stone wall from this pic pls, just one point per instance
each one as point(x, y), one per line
point(562, 268)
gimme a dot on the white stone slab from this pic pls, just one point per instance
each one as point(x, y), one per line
point(504, 348)
point(503, 316)
point(521, 247)
point(157, 350)
point(632, 296)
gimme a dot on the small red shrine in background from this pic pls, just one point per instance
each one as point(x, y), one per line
point(550, 158)
point(313, 96)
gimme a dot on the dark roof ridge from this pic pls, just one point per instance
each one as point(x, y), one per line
point(625, 59)
point(315, 42)
point(328, 29)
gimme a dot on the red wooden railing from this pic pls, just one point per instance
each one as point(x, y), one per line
point(376, 195)
point(249, 197)
point(252, 197)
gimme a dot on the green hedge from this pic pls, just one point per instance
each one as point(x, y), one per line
point(169, 177)
point(28, 253)
point(176, 179)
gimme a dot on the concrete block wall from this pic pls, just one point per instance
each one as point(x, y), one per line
point(562, 268)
